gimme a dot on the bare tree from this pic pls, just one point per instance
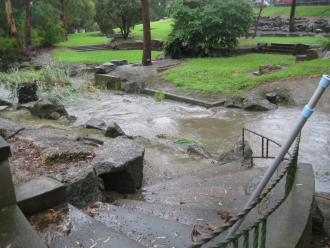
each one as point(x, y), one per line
point(292, 27)
point(11, 22)
point(261, 8)
point(146, 59)
point(28, 24)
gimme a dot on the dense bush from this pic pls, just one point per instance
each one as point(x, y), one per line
point(9, 53)
point(207, 27)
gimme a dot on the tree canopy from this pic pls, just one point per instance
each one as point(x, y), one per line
point(207, 27)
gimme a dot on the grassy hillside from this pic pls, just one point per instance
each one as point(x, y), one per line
point(84, 39)
point(229, 75)
point(311, 11)
point(66, 55)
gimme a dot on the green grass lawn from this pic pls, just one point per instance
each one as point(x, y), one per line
point(230, 75)
point(66, 55)
point(321, 11)
point(84, 39)
point(288, 40)
point(159, 30)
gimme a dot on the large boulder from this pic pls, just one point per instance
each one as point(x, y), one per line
point(120, 165)
point(105, 68)
point(258, 105)
point(48, 108)
point(58, 145)
point(83, 185)
point(113, 130)
point(235, 153)
point(27, 92)
point(157, 45)
point(109, 82)
point(234, 102)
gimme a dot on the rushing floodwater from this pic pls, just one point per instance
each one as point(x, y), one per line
point(218, 129)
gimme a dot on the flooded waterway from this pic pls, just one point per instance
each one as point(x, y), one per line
point(216, 128)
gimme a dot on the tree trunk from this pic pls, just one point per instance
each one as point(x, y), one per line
point(28, 24)
point(13, 32)
point(262, 6)
point(146, 59)
point(292, 27)
point(64, 18)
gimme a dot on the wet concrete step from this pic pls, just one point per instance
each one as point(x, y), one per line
point(150, 231)
point(87, 232)
point(181, 214)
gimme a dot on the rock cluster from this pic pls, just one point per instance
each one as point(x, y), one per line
point(278, 24)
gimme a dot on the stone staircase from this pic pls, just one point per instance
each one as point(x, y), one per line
point(89, 48)
point(168, 213)
point(279, 48)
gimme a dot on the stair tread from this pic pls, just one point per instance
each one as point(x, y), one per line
point(181, 214)
point(150, 231)
point(88, 232)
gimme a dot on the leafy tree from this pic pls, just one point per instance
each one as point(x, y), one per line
point(158, 9)
point(207, 27)
point(123, 14)
point(80, 14)
point(103, 17)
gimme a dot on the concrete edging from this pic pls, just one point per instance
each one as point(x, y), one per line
point(290, 226)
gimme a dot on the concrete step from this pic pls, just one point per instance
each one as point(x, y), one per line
point(40, 194)
point(181, 214)
point(88, 232)
point(15, 230)
point(150, 231)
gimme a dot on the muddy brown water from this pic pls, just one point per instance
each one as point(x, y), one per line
point(216, 128)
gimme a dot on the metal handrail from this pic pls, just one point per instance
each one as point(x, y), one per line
point(265, 142)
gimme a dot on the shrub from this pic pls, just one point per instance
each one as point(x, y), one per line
point(208, 27)
point(326, 45)
point(9, 53)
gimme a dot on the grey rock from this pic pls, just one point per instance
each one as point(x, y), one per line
point(119, 62)
point(46, 107)
point(109, 82)
point(2, 108)
point(236, 154)
point(113, 130)
point(120, 165)
point(4, 103)
point(105, 68)
point(272, 97)
point(58, 145)
point(96, 124)
point(83, 185)
point(198, 150)
point(157, 45)
point(258, 105)
point(9, 128)
point(27, 92)
point(234, 102)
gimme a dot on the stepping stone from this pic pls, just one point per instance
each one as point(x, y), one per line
point(88, 232)
point(40, 194)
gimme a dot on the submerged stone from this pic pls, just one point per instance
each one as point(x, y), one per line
point(236, 154)
point(113, 130)
point(46, 107)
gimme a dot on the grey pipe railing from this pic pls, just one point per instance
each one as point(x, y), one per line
point(306, 114)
